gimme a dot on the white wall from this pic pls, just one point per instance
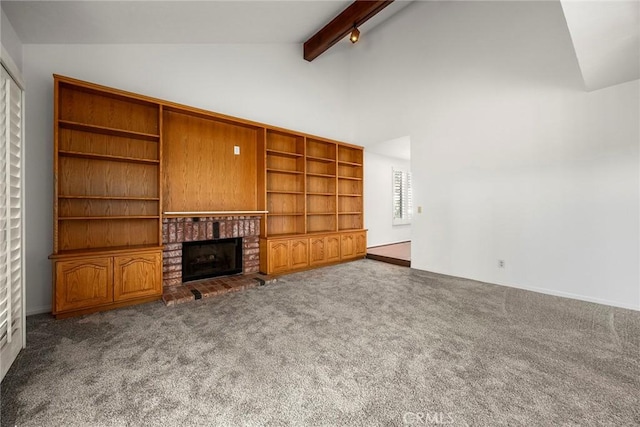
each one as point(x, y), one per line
point(511, 158)
point(267, 83)
point(378, 200)
point(10, 41)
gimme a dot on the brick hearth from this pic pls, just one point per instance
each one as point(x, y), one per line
point(175, 231)
point(212, 287)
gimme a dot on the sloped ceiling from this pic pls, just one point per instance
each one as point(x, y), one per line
point(182, 22)
point(177, 21)
point(605, 33)
point(606, 39)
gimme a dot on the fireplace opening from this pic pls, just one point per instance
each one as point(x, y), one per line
point(211, 258)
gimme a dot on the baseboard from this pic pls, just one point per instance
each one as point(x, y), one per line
point(573, 296)
point(551, 292)
point(38, 310)
point(390, 260)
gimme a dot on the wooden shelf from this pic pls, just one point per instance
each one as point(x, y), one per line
point(349, 195)
point(321, 159)
point(313, 233)
point(107, 130)
point(286, 235)
point(292, 172)
point(352, 178)
point(84, 155)
point(286, 214)
point(321, 175)
point(151, 199)
point(342, 162)
point(105, 250)
point(205, 213)
point(283, 153)
point(320, 213)
point(350, 213)
point(320, 194)
point(110, 217)
point(284, 192)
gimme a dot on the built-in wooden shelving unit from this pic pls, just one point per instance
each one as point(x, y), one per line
point(107, 220)
point(314, 202)
point(123, 162)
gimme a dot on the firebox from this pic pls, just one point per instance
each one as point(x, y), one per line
point(211, 258)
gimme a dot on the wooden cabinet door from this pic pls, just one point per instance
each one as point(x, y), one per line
point(137, 275)
point(299, 253)
point(361, 244)
point(278, 256)
point(83, 283)
point(348, 246)
point(332, 248)
point(317, 250)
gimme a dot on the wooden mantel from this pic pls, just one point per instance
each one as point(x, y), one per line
point(210, 213)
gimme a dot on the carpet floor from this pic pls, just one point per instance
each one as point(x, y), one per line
point(363, 343)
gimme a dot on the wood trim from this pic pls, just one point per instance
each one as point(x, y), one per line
point(354, 15)
point(160, 171)
point(208, 213)
point(92, 253)
point(313, 234)
point(56, 115)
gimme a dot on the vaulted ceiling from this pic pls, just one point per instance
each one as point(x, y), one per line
point(115, 22)
point(606, 39)
point(605, 33)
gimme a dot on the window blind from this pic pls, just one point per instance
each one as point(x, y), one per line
point(11, 246)
point(402, 197)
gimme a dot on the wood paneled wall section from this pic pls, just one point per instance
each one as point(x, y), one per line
point(200, 171)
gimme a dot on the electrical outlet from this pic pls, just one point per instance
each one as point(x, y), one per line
point(419, 209)
point(500, 263)
point(236, 150)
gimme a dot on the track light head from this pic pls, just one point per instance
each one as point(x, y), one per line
point(355, 35)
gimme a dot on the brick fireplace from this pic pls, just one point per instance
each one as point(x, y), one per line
point(176, 231)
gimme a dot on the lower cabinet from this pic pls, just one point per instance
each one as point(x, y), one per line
point(137, 276)
point(278, 258)
point(298, 253)
point(353, 245)
point(83, 283)
point(281, 255)
point(348, 246)
point(92, 283)
point(285, 255)
point(324, 249)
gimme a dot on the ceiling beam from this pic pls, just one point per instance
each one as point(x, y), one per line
point(355, 15)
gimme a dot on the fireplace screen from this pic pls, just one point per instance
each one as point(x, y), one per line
point(211, 258)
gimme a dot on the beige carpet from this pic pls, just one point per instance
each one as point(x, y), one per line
point(363, 343)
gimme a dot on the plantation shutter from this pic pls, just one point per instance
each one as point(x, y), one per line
point(11, 246)
point(402, 197)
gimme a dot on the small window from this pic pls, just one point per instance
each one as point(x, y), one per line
point(402, 197)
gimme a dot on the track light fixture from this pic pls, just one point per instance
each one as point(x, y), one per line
point(355, 35)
